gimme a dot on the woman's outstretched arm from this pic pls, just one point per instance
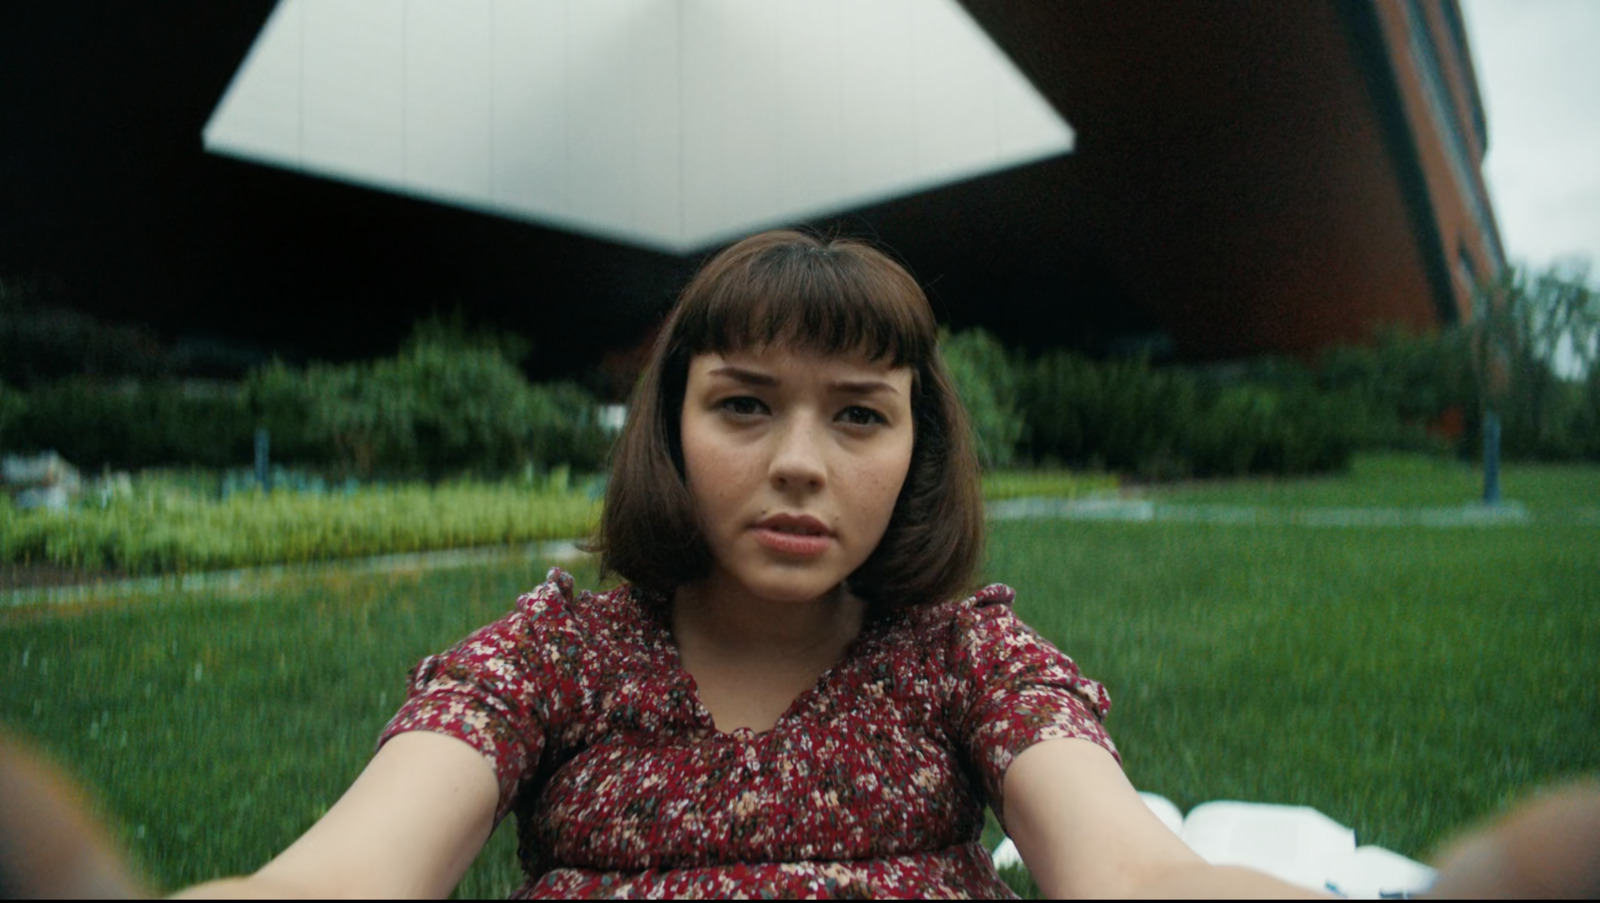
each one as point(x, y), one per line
point(409, 826)
point(1083, 831)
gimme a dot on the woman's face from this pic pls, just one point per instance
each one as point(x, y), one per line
point(795, 461)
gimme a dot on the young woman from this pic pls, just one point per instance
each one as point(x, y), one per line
point(794, 693)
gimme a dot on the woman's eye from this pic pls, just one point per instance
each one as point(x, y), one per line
point(856, 415)
point(742, 405)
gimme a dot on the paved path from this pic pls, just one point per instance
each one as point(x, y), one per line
point(1145, 510)
point(248, 579)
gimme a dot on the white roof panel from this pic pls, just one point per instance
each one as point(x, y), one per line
point(673, 124)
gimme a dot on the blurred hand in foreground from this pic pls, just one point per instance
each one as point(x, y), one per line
point(50, 847)
point(1546, 848)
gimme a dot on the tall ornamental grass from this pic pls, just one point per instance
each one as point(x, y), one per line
point(173, 532)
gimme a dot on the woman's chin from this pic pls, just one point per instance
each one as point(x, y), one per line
point(791, 586)
point(794, 593)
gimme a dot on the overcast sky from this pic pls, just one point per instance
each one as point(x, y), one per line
point(1538, 65)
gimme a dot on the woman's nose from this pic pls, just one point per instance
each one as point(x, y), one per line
point(798, 458)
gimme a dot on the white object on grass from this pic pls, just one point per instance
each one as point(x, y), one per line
point(1296, 844)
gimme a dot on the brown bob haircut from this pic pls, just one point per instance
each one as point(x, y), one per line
point(827, 296)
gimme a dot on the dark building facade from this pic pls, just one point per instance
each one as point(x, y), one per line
point(1252, 177)
point(1261, 176)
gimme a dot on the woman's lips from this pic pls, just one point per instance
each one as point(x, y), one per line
point(806, 544)
point(793, 534)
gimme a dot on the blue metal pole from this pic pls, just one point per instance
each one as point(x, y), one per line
point(263, 468)
point(1491, 458)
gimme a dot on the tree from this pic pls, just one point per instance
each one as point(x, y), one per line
point(1536, 348)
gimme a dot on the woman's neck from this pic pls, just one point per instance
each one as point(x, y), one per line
point(720, 617)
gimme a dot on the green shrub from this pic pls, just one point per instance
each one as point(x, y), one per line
point(1405, 384)
point(42, 341)
point(562, 428)
point(1229, 440)
point(1060, 395)
point(131, 424)
point(284, 400)
point(1270, 415)
point(1123, 415)
point(1587, 421)
point(432, 410)
point(1550, 419)
point(452, 409)
point(13, 403)
point(987, 382)
point(1128, 416)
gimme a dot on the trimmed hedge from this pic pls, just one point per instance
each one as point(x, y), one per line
point(1165, 423)
point(1413, 390)
point(1125, 415)
point(986, 380)
point(431, 411)
point(445, 406)
point(130, 425)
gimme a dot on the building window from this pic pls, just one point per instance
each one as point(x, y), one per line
point(1447, 122)
point(1467, 273)
point(1458, 37)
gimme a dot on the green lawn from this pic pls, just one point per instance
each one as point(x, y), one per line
point(1405, 481)
point(1403, 680)
point(216, 729)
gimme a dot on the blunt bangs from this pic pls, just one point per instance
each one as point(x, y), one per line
point(790, 290)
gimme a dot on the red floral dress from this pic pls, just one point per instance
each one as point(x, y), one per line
point(871, 784)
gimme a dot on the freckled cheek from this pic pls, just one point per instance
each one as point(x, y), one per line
point(717, 480)
point(880, 484)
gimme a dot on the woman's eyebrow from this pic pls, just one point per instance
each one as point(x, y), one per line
point(850, 386)
point(753, 377)
point(862, 386)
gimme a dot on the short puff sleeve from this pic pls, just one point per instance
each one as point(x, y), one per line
point(504, 688)
point(1012, 688)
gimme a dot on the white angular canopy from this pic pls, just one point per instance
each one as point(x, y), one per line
point(672, 124)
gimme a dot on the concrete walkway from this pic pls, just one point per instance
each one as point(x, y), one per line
point(537, 554)
point(1144, 510)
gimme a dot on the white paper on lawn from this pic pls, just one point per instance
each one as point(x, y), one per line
point(1297, 844)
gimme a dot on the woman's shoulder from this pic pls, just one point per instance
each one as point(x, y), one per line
point(617, 613)
point(942, 631)
point(980, 634)
point(993, 600)
point(556, 595)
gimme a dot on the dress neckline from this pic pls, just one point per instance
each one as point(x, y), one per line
point(656, 615)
